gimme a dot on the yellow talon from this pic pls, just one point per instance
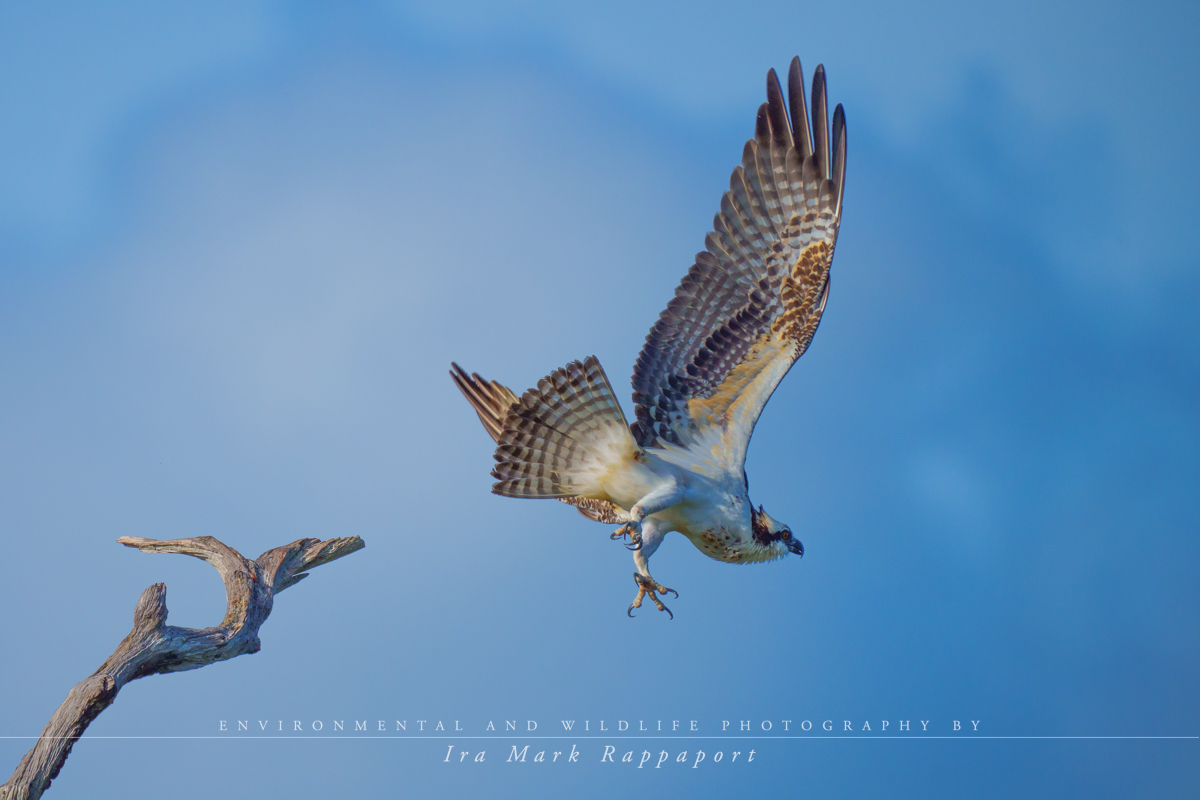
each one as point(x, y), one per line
point(649, 586)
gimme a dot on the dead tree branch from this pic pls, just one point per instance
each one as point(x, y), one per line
point(154, 647)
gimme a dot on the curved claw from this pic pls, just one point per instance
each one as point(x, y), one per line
point(635, 536)
point(647, 587)
point(661, 607)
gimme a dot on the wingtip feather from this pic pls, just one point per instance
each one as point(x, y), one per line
point(839, 155)
point(798, 105)
point(820, 121)
point(762, 125)
point(781, 129)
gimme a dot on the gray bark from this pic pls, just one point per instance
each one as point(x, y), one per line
point(154, 647)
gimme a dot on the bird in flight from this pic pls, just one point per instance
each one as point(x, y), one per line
point(744, 313)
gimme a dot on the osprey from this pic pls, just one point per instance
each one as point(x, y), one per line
point(744, 313)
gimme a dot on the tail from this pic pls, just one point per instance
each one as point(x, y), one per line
point(490, 400)
point(562, 438)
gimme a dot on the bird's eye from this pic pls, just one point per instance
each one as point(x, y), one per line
point(786, 534)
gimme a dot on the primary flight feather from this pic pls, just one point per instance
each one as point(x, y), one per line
point(744, 313)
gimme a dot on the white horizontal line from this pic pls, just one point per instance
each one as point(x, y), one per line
point(576, 738)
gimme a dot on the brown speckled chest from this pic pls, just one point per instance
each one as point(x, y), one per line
point(721, 544)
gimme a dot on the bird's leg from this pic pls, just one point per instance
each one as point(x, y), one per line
point(652, 536)
point(665, 496)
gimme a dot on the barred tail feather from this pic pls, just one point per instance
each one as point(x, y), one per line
point(490, 400)
point(563, 437)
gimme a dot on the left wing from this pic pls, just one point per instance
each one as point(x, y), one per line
point(749, 306)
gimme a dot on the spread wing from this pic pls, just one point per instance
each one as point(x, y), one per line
point(749, 306)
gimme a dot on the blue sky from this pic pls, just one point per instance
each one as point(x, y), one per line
point(240, 244)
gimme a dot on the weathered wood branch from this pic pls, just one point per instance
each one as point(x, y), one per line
point(154, 647)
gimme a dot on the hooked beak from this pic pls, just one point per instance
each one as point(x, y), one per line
point(794, 545)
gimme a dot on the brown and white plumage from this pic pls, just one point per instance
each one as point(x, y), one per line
point(744, 313)
point(491, 402)
point(750, 304)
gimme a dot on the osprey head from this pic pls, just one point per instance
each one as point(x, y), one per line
point(768, 532)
